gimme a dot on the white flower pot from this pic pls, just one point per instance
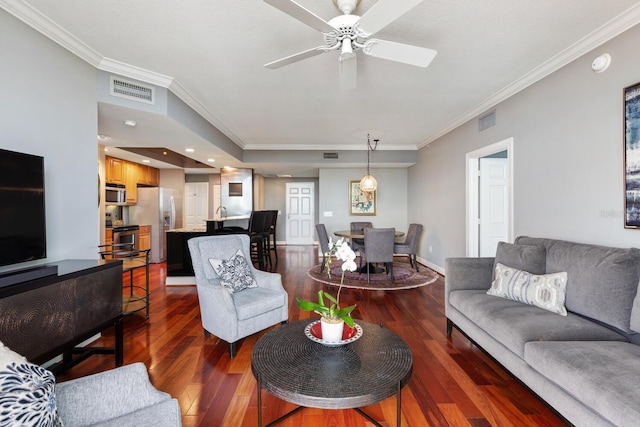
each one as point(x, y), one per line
point(331, 329)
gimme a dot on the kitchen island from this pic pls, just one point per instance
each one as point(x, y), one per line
point(179, 265)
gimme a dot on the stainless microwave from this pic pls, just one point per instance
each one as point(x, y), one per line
point(115, 195)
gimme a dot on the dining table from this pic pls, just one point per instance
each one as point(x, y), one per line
point(359, 234)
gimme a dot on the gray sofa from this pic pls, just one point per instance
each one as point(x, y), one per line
point(122, 397)
point(586, 365)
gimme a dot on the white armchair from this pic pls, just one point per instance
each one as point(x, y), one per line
point(233, 316)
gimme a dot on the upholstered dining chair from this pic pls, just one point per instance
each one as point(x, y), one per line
point(236, 299)
point(410, 244)
point(324, 243)
point(356, 244)
point(378, 247)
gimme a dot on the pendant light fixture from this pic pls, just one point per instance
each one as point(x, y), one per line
point(368, 183)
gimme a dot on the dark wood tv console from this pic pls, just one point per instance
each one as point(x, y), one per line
point(50, 316)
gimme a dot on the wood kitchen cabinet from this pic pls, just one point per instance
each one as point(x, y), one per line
point(114, 170)
point(131, 182)
point(145, 237)
point(108, 236)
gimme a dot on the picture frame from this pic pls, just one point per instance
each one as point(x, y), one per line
point(361, 203)
point(632, 156)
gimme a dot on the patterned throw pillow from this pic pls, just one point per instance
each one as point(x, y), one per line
point(27, 393)
point(547, 291)
point(234, 274)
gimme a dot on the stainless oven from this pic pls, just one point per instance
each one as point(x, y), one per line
point(127, 234)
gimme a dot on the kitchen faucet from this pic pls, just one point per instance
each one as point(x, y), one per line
point(224, 211)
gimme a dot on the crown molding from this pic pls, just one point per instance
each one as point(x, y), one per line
point(39, 22)
point(312, 147)
point(606, 32)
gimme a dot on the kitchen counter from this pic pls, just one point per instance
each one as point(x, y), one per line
point(201, 229)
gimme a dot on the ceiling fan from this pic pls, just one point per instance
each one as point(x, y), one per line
point(349, 33)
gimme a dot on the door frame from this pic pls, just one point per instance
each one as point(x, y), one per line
point(473, 196)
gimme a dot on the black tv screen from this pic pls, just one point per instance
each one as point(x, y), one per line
point(22, 208)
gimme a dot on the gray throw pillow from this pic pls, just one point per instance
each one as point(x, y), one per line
point(529, 258)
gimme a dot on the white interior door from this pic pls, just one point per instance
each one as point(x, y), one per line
point(494, 226)
point(196, 197)
point(300, 213)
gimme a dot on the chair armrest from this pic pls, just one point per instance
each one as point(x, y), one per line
point(269, 280)
point(106, 395)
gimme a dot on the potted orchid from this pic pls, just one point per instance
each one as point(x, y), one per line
point(333, 317)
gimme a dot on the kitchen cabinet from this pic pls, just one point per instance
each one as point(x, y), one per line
point(131, 182)
point(130, 174)
point(114, 170)
point(108, 236)
point(145, 237)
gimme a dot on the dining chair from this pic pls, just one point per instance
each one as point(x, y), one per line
point(236, 299)
point(410, 245)
point(356, 244)
point(378, 247)
point(324, 243)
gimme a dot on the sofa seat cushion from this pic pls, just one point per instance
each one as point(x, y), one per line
point(605, 376)
point(254, 301)
point(513, 323)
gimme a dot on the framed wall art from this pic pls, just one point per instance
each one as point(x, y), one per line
point(632, 156)
point(361, 203)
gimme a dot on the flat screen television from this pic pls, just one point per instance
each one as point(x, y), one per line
point(23, 234)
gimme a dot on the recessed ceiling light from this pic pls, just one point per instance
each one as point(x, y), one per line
point(106, 148)
point(211, 160)
point(102, 137)
point(146, 161)
point(284, 176)
point(189, 150)
point(131, 123)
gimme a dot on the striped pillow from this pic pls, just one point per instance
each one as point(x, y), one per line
point(546, 291)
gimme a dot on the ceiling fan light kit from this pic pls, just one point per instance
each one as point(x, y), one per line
point(349, 33)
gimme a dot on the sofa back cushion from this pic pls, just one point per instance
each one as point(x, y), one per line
point(602, 282)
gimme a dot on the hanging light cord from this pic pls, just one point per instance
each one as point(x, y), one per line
point(372, 149)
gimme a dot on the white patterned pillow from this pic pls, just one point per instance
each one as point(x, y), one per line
point(234, 273)
point(27, 393)
point(547, 291)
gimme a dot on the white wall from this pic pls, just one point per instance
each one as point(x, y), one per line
point(48, 108)
point(334, 197)
point(568, 154)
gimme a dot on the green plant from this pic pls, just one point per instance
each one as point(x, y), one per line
point(343, 252)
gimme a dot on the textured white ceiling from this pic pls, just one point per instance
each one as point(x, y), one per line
point(215, 50)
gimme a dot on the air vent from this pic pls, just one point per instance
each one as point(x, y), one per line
point(329, 155)
point(486, 121)
point(131, 90)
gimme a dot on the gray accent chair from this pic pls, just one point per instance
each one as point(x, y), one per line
point(233, 316)
point(324, 243)
point(121, 397)
point(410, 245)
point(357, 244)
point(378, 247)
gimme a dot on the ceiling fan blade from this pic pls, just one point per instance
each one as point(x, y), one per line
point(399, 52)
point(296, 57)
point(348, 73)
point(383, 13)
point(303, 15)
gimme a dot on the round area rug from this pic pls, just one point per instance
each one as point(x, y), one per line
point(405, 277)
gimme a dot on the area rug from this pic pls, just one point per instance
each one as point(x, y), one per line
point(405, 277)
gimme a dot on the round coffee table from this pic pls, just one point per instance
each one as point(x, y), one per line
point(293, 368)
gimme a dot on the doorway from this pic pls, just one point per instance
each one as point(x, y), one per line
point(489, 198)
point(300, 218)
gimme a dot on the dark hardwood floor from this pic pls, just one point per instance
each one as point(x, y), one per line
point(453, 382)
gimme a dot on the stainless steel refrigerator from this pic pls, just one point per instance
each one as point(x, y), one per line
point(155, 207)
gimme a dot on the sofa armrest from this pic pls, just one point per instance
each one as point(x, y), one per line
point(106, 395)
point(269, 280)
point(467, 273)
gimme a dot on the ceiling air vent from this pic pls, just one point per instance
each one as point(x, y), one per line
point(486, 121)
point(131, 90)
point(330, 155)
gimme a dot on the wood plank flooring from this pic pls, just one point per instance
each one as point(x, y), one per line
point(453, 382)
